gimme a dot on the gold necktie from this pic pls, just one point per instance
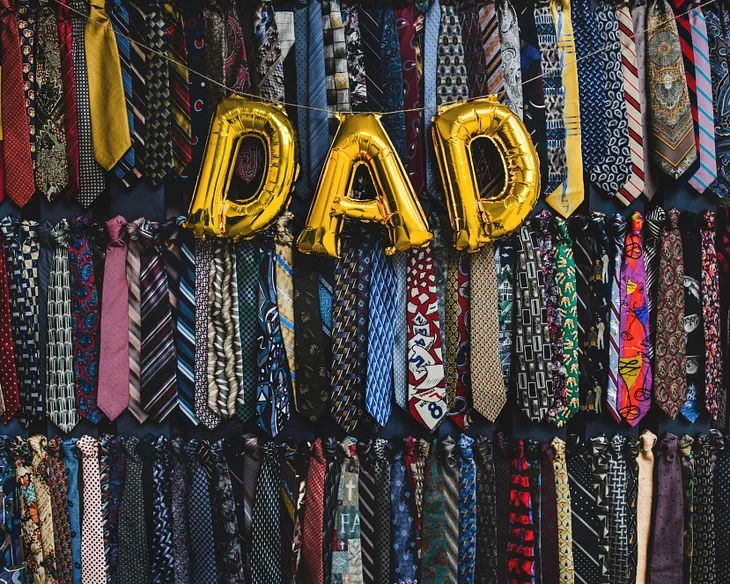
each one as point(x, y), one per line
point(565, 520)
point(109, 122)
point(568, 196)
point(645, 460)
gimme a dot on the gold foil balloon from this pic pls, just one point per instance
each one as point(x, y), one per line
point(361, 139)
point(477, 221)
point(211, 213)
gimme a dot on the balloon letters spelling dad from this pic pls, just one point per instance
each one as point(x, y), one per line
point(362, 140)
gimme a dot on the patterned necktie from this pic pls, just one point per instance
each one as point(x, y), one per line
point(16, 137)
point(617, 230)
point(404, 523)
point(283, 271)
point(270, 69)
point(669, 372)
point(92, 537)
point(85, 318)
point(134, 250)
point(8, 371)
point(159, 159)
point(598, 453)
point(488, 390)
point(65, 37)
point(654, 224)
point(458, 341)
point(451, 77)
point(265, 534)
point(714, 395)
point(273, 383)
point(38, 452)
point(347, 551)
point(185, 328)
point(634, 366)
point(563, 512)
point(112, 447)
point(673, 140)
point(521, 540)
point(532, 346)
point(486, 500)
point(114, 347)
point(722, 471)
point(613, 170)
point(179, 510)
point(158, 382)
point(108, 109)
point(688, 482)
point(617, 519)
point(200, 528)
point(134, 564)
point(55, 476)
point(467, 510)
point(335, 62)
point(383, 512)
point(33, 408)
point(509, 35)
point(310, 570)
point(247, 268)
point(716, 31)
point(355, 58)
point(504, 257)
point(703, 551)
point(583, 511)
point(162, 561)
point(634, 187)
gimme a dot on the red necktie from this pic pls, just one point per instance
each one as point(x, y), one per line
point(8, 375)
point(18, 165)
point(69, 97)
point(311, 563)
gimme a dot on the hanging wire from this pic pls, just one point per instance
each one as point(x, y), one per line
point(433, 108)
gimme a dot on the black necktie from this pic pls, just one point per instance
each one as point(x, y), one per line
point(599, 467)
point(722, 510)
point(487, 542)
point(502, 474)
point(265, 528)
point(134, 566)
point(583, 509)
point(703, 556)
point(366, 492)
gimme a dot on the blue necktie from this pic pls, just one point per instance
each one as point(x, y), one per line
point(185, 339)
point(430, 63)
point(74, 507)
point(404, 531)
point(200, 527)
point(392, 74)
point(319, 139)
point(301, 55)
point(467, 510)
point(381, 330)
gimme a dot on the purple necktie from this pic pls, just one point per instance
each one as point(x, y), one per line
point(114, 352)
point(667, 555)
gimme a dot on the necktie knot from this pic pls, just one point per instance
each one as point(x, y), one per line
point(617, 444)
point(561, 230)
point(282, 232)
point(648, 440)
point(130, 448)
point(380, 448)
point(191, 450)
point(150, 232)
point(618, 226)
point(672, 219)
point(44, 234)
point(332, 446)
point(79, 225)
point(20, 451)
point(543, 220)
point(409, 447)
point(60, 233)
point(708, 220)
point(637, 222)
point(685, 445)
point(349, 447)
point(558, 447)
point(38, 444)
point(670, 445)
point(133, 229)
point(446, 450)
point(270, 451)
point(116, 228)
point(599, 446)
point(465, 446)
point(251, 444)
point(317, 450)
point(160, 444)
point(365, 448)
point(88, 446)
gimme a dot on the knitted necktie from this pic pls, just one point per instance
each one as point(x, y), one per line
point(92, 537)
point(715, 397)
point(467, 510)
point(670, 368)
point(265, 533)
point(673, 140)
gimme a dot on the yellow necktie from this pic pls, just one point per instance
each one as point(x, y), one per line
point(568, 196)
point(565, 519)
point(645, 461)
point(109, 123)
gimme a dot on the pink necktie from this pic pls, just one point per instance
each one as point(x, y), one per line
point(114, 356)
point(93, 562)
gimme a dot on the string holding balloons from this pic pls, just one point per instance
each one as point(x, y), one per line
point(361, 139)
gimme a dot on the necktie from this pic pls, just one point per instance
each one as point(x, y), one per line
point(703, 552)
point(618, 520)
point(91, 174)
point(92, 537)
point(457, 338)
point(383, 512)
point(33, 408)
point(667, 542)
point(64, 24)
point(521, 540)
point(179, 494)
point(531, 338)
point(722, 474)
point(106, 494)
point(400, 337)
point(599, 474)
point(51, 170)
point(217, 53)
point(71, 457)
point(39, 456)
point(270, 69)
point(133, 268)
point(426, 379)
point(671, 384)
point(617, 230)
point(274, 383)
point(8, 372)
point(503, 483)
point(673, 140)
point(310, 570)
point(55, 476)
point(134, 566)
point(645, 462)
point(467, 510)
point(655, 223)
point(487, 542)
point(355, 58)
point(317, 94)
point(688, 482)
point(381, 330)
point(45, 258)
point(714, 20)
point(430, 67)
point(364, 277)
point(247, 260)
point(283, 271)
point(631, 451)
point(488, 390)
point(714, 394)
point(566, 197)
point(200, 528)
point(335, 62)
point(634, 187)
point(16, 137)
point(536, 505)
point(509, 35)
point(634, 367)
point(229, 558)
point(85, 319)
point(265, 534)
point(504, 257)
point(112, 447)
point(301, 51)
point(451, 77)
point(162, 561)
point(347, 551)
point(551, 65)
point(564, 506)
point(107, 105)
point(185, 328)
point(404, 521)
point(159, 147)
point(566, 281)
point(158, 383)
point(114, 347)
point(548, 539)
point(293, 490)
point(182, 138)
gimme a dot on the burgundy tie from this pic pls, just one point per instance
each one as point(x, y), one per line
point(114, 357)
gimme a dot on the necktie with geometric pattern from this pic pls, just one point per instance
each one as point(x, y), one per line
point(670, 357)
point(383, 512)
point(486, 500)
point(265, 532)
point(162, 561)
point(8, 371)
point(335, 63)
point(247, 268)
point(598, 454)
point(703, 547)
point(93, 564)
point(310, 569)
point(616, 229)
point(673, 138)
point(347, 550)
point(467, 510)
point(715, 394)
point(451, 76)
point(565, 527)
point(200, 527)
point(617, 519)
point(456, 345)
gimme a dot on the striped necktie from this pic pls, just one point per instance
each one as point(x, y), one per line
point(134, 248)
point(185, 328)
point(366, 498)
point(157, 374)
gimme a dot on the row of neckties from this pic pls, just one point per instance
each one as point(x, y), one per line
point(460, 510)
point(593, 97)
point(565, 316)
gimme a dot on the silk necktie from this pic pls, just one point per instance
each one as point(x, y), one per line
point(671, 383)
point(92, 538)
point(673, 140)
point(645, 462)
point(8, 371)
point(185, 328)
point(270, 69)
point(634, 187)
point(283, 271)
point(114, 347)
point(405, 522)
point(162, 562)
point(467, 510)
point(488, 390)
point(200, 528)
point(335, 62)
point(521, 541)
point(717, 38)
point(180, 487)
point(65, 28)
point(311, 570)
point(347, 551)
point(134, 562)
point(655, 223)
point(722, 471)
point(487, 542)
point(451, 77)
point(384, 511)
point(71, 456)
point(457, 338)
point(564, 525)
point(108, 109)
point(509, 35)
point(28, 504)
point(617, 230)
point(634, 367)
point(133, 267)
point(247, 268)
point(715, 395)
point(265, 534)
point(33, 407)
point(617, 519)
point(583, 510)
point(16, 138)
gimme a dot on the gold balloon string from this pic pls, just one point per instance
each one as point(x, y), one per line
point(433, 108)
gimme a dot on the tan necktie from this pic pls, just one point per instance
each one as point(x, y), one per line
point(645, 460)
point(109, 122)
point(565, 520)
point(283, 274)
point(93, 562)
point(39, 453)
point(568, 196)
point(488, 391)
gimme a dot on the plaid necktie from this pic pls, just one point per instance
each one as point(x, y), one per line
point(159, 153)
point(51, 170)
point(335, 62)
point(157, 374)
point(91, 175)
point(265, 533)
